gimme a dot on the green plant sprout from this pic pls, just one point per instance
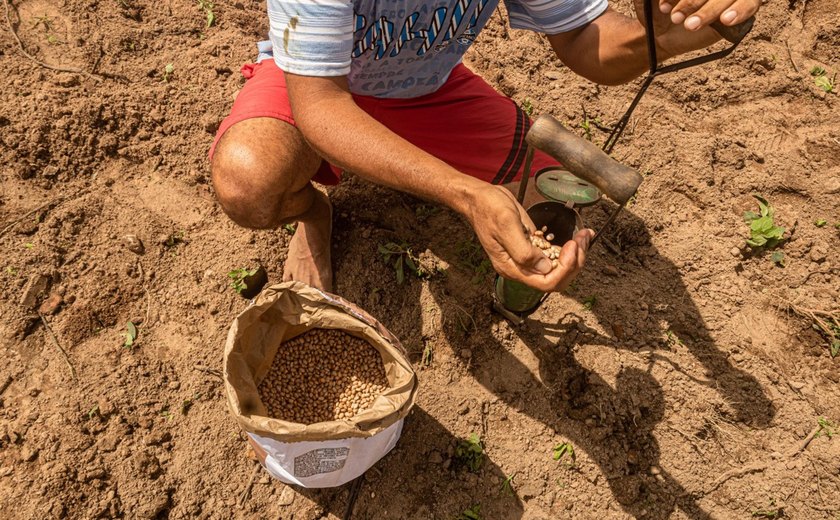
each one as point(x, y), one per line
point(473, 513)
point(778, 258)
point(826, 428)
point(563, 449)
point(820, 222)
point(527, 107)
point(763, 231)
point(426, 359)
point(507, 485)
point(590, 302)
point(290, 228)
point(237, 277)
point(208, 6)
point(167, 72)
point(130, 334)
point(401, 257)
point(822, 80)
point(470, 453)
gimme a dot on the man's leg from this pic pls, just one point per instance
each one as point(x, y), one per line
point(262, 170)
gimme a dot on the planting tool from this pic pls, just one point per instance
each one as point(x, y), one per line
point(590, 170)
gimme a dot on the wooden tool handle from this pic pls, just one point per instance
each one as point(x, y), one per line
point(584, 159)
point(734, 33)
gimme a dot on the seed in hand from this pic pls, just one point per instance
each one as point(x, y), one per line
point(322, 375)
point(542, 240)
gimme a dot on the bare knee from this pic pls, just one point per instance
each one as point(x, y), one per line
point(258, 175)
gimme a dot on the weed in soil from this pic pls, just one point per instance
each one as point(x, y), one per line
point(130, 334)
point(563, 449)
point(764, 233)
point(472, 513)
point(827, 428)
point(401, 257)
point(470, 453)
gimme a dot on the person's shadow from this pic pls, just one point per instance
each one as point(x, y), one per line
point(421, 479)
point(644, 290)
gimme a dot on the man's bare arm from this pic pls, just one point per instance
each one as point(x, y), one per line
point(348, 137)
point(612, 49)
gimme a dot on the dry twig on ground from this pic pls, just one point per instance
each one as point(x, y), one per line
point(35, 60)
point(49, 204)
point(246, 493)
point(58, 344)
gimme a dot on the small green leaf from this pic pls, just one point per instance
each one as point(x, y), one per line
point(411, 264)
point(778, 258)
point(824, 83)
point(130, 334)
point(817, 71)
point(835, 348)
point(211, 18)
point(749, 216)
point(820, 222)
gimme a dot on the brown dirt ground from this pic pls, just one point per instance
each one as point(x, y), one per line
point(685, 371)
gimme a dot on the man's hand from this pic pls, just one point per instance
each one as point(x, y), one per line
point(697, 14)
point(503, 227)
point(683, 25)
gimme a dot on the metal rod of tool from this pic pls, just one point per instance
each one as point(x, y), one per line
point(526, 174)
point(732, 34)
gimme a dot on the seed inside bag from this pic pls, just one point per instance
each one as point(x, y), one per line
point(323, 375)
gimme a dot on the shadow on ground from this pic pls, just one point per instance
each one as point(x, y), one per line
point(613, 425)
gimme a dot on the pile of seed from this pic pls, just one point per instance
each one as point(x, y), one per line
point(543, 240)
point(322, 375)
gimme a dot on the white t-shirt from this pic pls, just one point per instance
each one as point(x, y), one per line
point(400, 48)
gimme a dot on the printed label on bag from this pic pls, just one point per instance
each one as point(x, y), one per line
point(322, 460)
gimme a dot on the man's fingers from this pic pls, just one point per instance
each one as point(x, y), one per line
point(684, 8)
point(527, 257)
point(711, 11)
point(666, 6)
point(739, 12)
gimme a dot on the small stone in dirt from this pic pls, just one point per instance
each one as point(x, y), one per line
point(435, 457)
point(618, 330)
point(51, 304)
point(34, 287)
point(818, 253)
point(553, 74)
point(464, 409)
point(796, 385)
point(736, 252)
point(134, 244)
point(264, 479)
point(28, 454)
point(610, 270)
point(174, 385)
point(66, 80)
point(5, 472)
point(287, 496)
point(466, 353)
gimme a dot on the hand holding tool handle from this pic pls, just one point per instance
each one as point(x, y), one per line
point(734, 33)
point(584, 159)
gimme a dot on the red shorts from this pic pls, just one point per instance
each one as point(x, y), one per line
point(465, 123)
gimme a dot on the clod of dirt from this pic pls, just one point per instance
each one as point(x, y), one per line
point(36, 285)
point(51, 304)
point(28, 454)
point(466, 353)
point(254, 283)
point(134, 244)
